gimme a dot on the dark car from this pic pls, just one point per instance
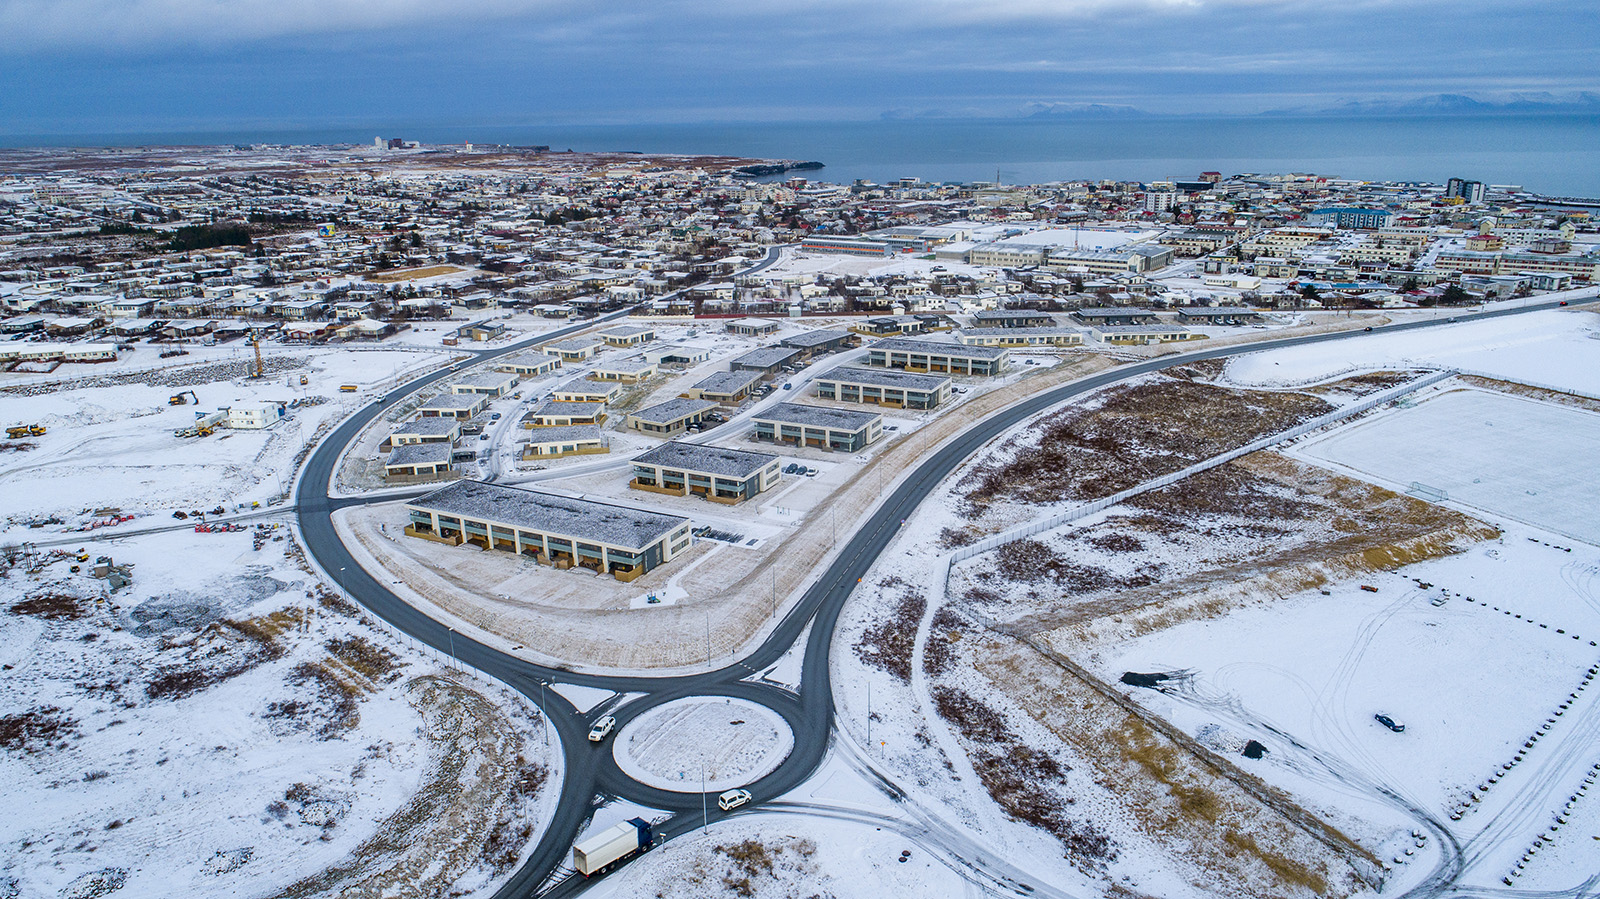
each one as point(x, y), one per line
point(1367, 328)
point(1390, 723)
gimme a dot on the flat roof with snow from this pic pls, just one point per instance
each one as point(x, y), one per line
point(817, 416)
point(565, 434)
point(426, 427)
point(727, 383)
point(672, 410)
point(936, 348)
point(550, 514)
point(886, 377)
point(419, 454)
point(815, 338)
point(713, 460)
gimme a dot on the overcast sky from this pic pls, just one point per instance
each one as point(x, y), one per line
point(88, 66)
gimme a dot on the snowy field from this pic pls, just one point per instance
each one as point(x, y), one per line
point(111, 438)
point(771, 856)
point(1557, 348)
point(1503, 454)
point(1473, 665)
point(226, 727)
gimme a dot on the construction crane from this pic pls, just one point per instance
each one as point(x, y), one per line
point(179, 400)
point(261, 368)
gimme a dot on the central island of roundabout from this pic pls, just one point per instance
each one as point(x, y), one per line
point(703, 744)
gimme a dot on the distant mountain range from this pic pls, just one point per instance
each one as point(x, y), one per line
point(1081, 111)
point(1538, 102)
point(1458, 104)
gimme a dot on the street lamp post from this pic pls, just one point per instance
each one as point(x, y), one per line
point(453, 647)
point(705, 810)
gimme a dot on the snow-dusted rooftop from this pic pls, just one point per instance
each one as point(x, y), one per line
point(817, 416)
point(420, 454)
point(713, 460)
point(546, 513)
point(813, 338)
point(673, 410)
point(938, 348)
point(889, 377)
point(565, 434)
point(727, 381)
point(435, 426)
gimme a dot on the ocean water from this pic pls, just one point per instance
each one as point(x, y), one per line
point(1550, 154)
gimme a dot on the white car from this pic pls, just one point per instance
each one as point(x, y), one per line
point(733, 799)
point(602, 729)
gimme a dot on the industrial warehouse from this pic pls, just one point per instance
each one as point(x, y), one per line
point(816, 426)
point(886, 387)
point(720, 475)
point(928, 355)
point(553, 530)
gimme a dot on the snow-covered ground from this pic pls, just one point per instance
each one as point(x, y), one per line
point(724, 741)
point(224, 726)
point(773, 856)
point(111, 439)
point(1473, 665)
point(1558, 348)
point(227, 725)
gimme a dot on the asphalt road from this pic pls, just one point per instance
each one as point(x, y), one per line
point(590, 770)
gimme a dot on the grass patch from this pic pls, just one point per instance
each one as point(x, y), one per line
point(408, 274)
point(372, 662)
point(1287, 870)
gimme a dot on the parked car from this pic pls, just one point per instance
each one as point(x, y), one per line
point(733, 799)
point(602, 729)
point(494, 416)
point(483, 436)
point(1390, 723)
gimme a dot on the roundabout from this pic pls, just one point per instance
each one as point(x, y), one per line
point(703, 744)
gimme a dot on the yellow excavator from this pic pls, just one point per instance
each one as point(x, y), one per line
point(179, 400)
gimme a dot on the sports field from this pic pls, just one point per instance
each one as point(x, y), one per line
point(1524, 459)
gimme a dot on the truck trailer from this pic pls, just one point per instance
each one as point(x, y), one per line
point(611, 847)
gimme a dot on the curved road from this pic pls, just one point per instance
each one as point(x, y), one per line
point(590, 769)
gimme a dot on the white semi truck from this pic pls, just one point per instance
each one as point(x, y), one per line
point(611, 847)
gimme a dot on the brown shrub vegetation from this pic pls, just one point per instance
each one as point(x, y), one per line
point(940, 653)
point(52, 606)
point(1138, 433)
point(35, 729)
point(370, 661)
point(888, 644)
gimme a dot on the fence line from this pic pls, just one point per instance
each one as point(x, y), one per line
point(1100, 505)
